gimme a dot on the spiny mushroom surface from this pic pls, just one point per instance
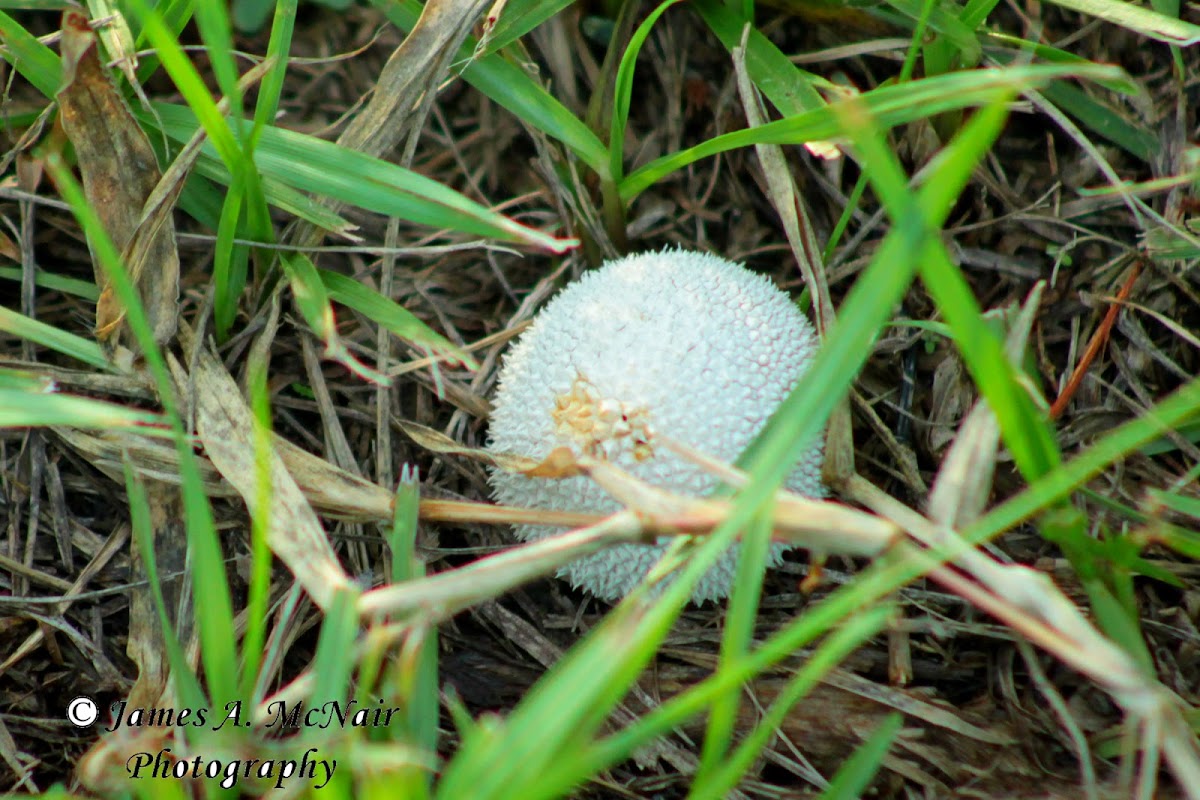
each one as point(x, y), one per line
point(678, 344)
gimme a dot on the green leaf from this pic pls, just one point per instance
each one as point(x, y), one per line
point(889, 105)
point(20, 408)
point(65, 342)
point(1104, 121)
point(623, 90)
point(519, 17)
point(790, 89)
point(391, 315)
point(310, 164)
point(854, 776)
point(35, 62)
point(1141, 20)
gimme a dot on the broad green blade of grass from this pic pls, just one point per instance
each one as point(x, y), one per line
point(280, 44)
point(740, 619)
point(840, 642)
point(308, 291)
point(391, 315)
point(1001, 46)
point(215, 623)
point(855, 774)
point(24, 409)
point(1103, 120)
point(517, 18)
point(61, 341)
point(976, 12)
point(1138, 19)
point(230, 260)
point(402, 538)
point(947, 24)
point(258, 591)
point(34, 61)
point(59, 283)
point(889, 106)
point(1183, 541)
point(568, 705)
point(203, 201)
point(331, 667)
point(790, 89)
point(623, 90)
point(22, 380)
point(187, 685)
point(324, 168)
point(1177, 502)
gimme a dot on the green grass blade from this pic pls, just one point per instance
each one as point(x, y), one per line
point(1138, 19)
point(21, 408)
point(837, 646)
point(735, 643)
point(790, 89)
point(950, 28)
point(518, 18)
point(391, 315)
point(1104, 121)
point(187, 685)
point(34, 61)
point(324, 168)
point(889, 106)
point(212, 20)
point(216, 621)
point(187, 79)
point(856, 772)
point(59, 283)
point(258, 592)
point(623, 90)
point(331, 667)
point(278, 47)
point(61, 341)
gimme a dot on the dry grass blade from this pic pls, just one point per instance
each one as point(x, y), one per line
point(964, 481)
point(119, 173)
point(822, 526)
point(441, 596)
point(225, 427)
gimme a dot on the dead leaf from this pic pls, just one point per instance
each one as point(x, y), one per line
point(225, 426)
point(119, 172)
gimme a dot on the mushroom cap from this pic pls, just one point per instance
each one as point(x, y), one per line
point(674, 343)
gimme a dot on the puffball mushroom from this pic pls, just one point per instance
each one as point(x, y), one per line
point(678, 344)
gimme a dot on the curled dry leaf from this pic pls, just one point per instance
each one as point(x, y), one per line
point(119, 172)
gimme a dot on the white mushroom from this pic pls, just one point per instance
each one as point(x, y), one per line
point(679, 344)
